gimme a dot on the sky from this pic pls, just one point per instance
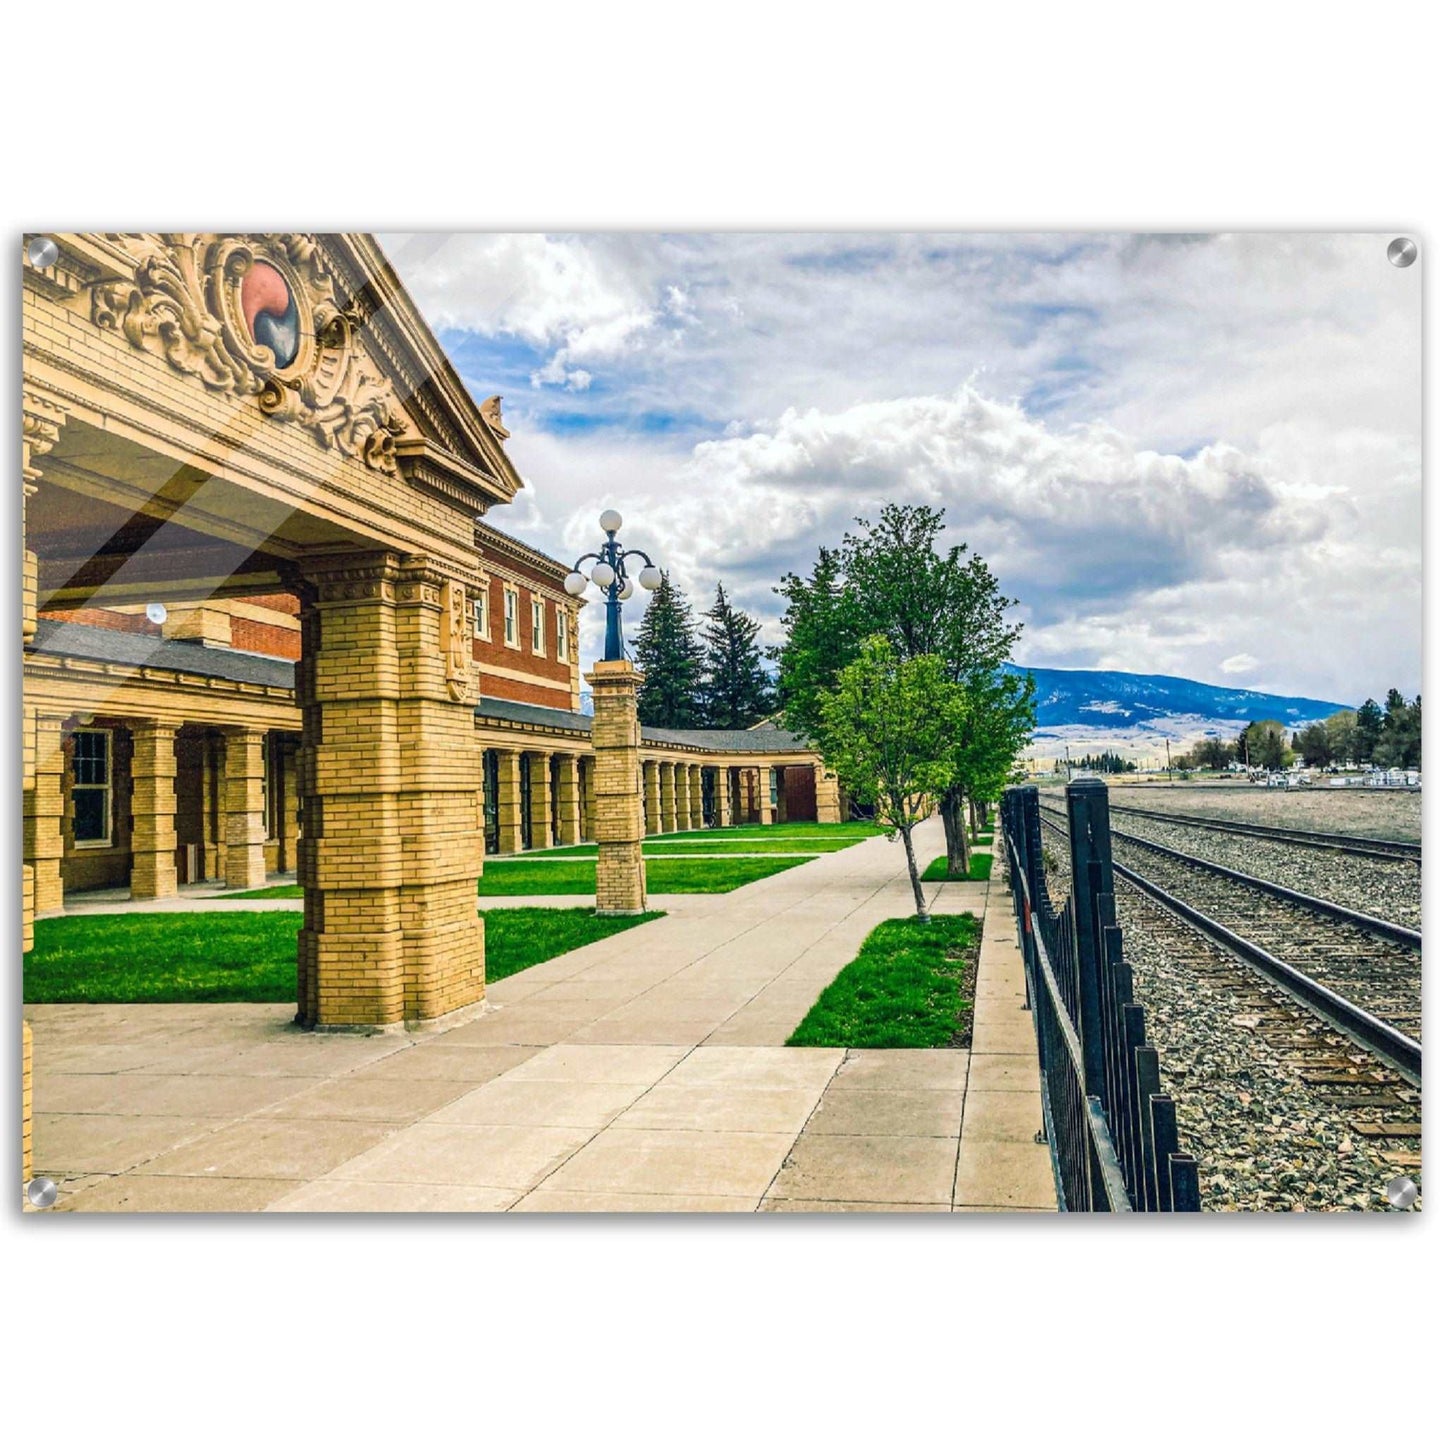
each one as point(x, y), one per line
point(1188, 454)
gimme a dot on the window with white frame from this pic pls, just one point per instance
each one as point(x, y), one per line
point(561, 634)
point(90, 786)
point(482, 614)
point(509, 609)
point(539, 627)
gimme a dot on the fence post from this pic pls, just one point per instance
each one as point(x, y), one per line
point(1093, 868)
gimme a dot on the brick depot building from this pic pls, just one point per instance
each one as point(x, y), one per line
point(266, 631)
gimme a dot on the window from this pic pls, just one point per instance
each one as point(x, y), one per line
point(482, 614)
point(561, 635)
point(509, 607)
point(539, 627)
point(90, 787)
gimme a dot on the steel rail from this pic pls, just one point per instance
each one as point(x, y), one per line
point(1381, 927)
point(1387, 848)
point(1371, 1033)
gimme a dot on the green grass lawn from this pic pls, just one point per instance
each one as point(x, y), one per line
point(818, 831)
point(911, 987)
point(980, 868)
point(691, 843)
point(237, 957)
point(520, 875)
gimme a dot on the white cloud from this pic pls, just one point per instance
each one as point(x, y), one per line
point(1172, 450)
point(1240, 662)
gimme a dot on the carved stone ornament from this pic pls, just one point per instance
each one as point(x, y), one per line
point(492, 414)
point(258, 316)
point(456, 640)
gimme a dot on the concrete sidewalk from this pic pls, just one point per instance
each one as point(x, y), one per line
point(644, 1071)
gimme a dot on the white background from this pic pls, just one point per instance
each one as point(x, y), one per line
point(1044, 116)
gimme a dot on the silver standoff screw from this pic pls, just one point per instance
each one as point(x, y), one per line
point(1402, 1192)
point(42, 1193)
point(43, 253)
point(1402, 251)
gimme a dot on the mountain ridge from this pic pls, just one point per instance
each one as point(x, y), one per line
point(1110, 700)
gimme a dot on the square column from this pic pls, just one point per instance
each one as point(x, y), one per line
point(684, 797)
point(153, 810)
point(825, 786)
point(44, 809)
point(765, 795)
point(667, 775)
point(509, 801)
point(652, 785)
point(724, 796)
point(588, 768)
point(391, 845)
point(287, 827)
point(617, 738)
point(540, 766)
point(245, 827)
point(569, 800)
point(695, 774)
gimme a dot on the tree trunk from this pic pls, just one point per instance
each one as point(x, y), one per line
point(913, 875)
point(951, 806)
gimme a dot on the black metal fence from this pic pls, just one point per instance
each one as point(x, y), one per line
point(1113, 1133)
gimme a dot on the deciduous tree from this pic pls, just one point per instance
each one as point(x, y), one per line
point(890, 730)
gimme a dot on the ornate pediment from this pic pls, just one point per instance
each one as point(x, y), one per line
point(262, 316)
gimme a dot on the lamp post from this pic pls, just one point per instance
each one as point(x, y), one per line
point(609, 572)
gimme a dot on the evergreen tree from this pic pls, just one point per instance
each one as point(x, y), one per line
point(671, 659)
point(1369, 724)
point(1399, 745)
point(822, 638)
point(735, 689)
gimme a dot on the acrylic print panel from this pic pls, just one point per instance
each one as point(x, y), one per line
point(722, 722)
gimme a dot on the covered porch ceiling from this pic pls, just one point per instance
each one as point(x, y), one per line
point(114, 523)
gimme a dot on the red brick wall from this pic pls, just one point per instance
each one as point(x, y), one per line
point(496, 653)
point(278, 602)
point(103, 617)
point(514, 691)
point(251, 636)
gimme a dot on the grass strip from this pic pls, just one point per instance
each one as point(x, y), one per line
point(980, 869)
point(519, 875)
point(246, 957)
point(910, 987)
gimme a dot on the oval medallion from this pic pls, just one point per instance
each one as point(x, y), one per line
point(270, 312)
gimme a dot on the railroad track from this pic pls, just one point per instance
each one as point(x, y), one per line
point(1360, 847)
point(1361, 975)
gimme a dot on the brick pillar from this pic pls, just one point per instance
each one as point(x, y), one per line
point(541, 769)
point(509, 800)
point(153, 810)
point(616, 737)
point(765, 795)
point(245, 830)
point(694, 773)
point(569, 800)
point(724, 796)
point(391, 846)
point(40, 430)
point(652, 785)
point(667, 779)
point(44, 810)
point(684, 796)
point(830, 808)
point(589, 798)
point(288, 830)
